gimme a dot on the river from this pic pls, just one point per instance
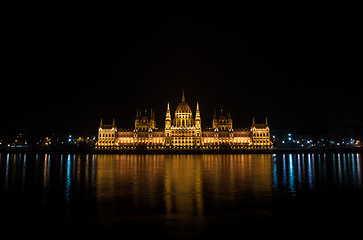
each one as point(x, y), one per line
point(181, 196)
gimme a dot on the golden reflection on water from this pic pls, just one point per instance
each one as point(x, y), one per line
point(178, 191)
point(180, 182)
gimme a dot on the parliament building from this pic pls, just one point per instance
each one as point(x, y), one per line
point(183, 131)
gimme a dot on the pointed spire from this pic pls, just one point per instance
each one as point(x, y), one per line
point(168, 117)
point(253, 121)
point(197, 113)
point(101, 123)
point(183, 98)
point(152, 114)
point(266, 121)
point(113, 122)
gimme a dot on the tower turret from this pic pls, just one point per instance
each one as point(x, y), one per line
point(260, 134)
point(167, 126)
point(168, 116)
point(215, 122)
point(197, 117)
point(222, 121)
point(198, 128)
point(107, 135)
point(145, 121)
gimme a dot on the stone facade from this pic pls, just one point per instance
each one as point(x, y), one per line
point(183, 131)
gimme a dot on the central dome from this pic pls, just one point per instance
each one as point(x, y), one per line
point(183, 106)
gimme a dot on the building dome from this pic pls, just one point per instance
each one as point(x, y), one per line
point(183, 107)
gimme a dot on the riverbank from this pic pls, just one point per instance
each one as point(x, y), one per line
point(181, 151)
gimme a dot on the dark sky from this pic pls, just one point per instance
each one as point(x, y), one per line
point(68, 65)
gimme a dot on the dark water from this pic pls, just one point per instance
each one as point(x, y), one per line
point(181, 196)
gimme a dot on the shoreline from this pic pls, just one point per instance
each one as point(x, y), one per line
point(181, 151)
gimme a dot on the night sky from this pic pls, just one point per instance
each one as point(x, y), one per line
point(69, 65)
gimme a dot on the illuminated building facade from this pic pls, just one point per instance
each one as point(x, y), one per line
point(183, 131)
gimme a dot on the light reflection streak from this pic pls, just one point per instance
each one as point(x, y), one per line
point(353, 167)
point(24, 170)
point(310, 171)
point(339, 171)
point(297, 172)
point(291, 176)
point(299, 178)
point(284, 170)
point(68, 179)
point(45, 171)
point(274, 175)
point(359, 160)
point(7, 172)
point(61, 165)
point(344, 168)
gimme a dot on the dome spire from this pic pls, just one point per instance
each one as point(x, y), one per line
point(183, 98)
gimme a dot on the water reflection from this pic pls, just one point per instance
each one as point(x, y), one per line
point(177, 190)
point(68, 178)
point(180, 187)
point(183, 186)
point(293, 172)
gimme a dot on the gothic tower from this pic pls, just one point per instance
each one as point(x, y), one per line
point(198, 127)
point(167, 126)
point(260, 134)
point(145, 121)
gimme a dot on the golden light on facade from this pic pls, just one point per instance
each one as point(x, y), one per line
point(184, 131)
